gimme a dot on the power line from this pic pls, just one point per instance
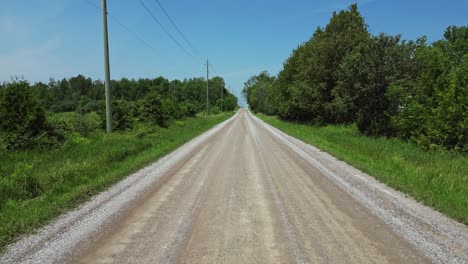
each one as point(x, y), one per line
point(195, 51)
point(212, 67)
point(177, 28)
point(165, 30)
point(137, 36)
point(115, 19)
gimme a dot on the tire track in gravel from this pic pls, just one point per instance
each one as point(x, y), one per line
point(245, 192)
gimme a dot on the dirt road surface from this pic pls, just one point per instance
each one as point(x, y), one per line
point(245, 192)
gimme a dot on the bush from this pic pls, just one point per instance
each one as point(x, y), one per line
point(86, 124)
point(433, 108)
point(74, 122)
point(122, 118)
point(22, 117)
point(172, 110)
point(215, 110)
point(94, 106)
point(64, 106)
point(190, 109)
point(151, 110)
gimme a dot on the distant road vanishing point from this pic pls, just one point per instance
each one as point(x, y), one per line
point(244, 192)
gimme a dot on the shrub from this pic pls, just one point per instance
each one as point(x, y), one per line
point(215, 110)
point(22, 117)
point(190, 109)
point(86, 124)
point(70, 122)
point(94, 106)
point(151, 109)
point(433, 108)
point(172, 110)
point(121, 115)
point(64, 106)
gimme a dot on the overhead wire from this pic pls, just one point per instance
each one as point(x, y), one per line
point(165, 30)
point(195, 50)
point(133, 33)
point(213, 68)
point(115, 19)
point(137, 36)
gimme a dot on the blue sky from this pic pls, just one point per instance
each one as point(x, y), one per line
point(63, 38)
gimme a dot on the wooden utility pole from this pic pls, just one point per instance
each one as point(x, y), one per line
point(207, 80)
point(107, 69)
point(222, 100)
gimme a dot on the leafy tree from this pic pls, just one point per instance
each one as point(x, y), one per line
point(80, 85)
point(387, 86)
point(309, 75)
point(364, 78)
point(286, 91)
point(433, 108)
point(257, 92)
point(155, 100)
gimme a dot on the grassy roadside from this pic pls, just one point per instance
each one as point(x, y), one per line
point(437, 179)
point(81, 168)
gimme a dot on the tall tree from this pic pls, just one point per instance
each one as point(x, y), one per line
point(309, 75)
point(364, 79)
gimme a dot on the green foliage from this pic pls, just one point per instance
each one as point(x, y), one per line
point(172, 110)
point(215, 110)
point(433, 107)
point(257, 92)
point(22, 117)
point(71, 122)
point(23, 107)
point(364, 78)
point(387, 86)
point(84, 95)
point(121, 115)
point(63, 106)
point(230, 103)
point(21, 184)
point(190, 109)
point(305, 84)
point(152, 109)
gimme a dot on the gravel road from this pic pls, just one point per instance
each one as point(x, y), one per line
point(245, 192)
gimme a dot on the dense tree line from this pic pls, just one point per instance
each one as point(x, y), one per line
point(386, 85)
point(25, 108)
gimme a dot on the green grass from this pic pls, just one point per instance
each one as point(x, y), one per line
point(437, 179)
point(62, 178)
